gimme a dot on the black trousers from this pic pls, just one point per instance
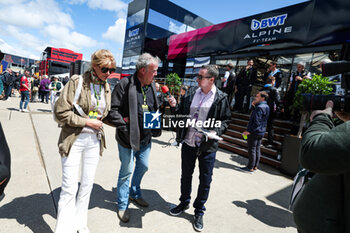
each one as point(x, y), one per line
point(254, 143)
point(206, 164)
point(269, 127)
point(241, 93)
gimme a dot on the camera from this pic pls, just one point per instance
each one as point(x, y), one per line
point(341, 103)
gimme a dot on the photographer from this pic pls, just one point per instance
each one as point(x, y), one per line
point(323, 206)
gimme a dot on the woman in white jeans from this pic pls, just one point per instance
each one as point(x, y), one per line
point(82, 140)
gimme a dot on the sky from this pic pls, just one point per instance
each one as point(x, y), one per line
point(27, 27)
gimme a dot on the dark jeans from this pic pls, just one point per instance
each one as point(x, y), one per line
point(45, 95)
point(269, 127)
point(24, 99)
point(8, 90)
point(241, 93)
point(206, 165)
point(254, 142)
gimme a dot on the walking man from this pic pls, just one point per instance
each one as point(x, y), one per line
point(256, 130)
point(131, 98)
point(205, 102)
point(25, 92)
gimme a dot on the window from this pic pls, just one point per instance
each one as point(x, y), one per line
point(167, 23)
point(135, 19)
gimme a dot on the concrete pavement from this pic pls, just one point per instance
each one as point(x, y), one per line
point(238, 202)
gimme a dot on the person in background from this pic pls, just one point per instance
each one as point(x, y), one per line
point(8, 83)
point(229, 81)
point(256, 130)
point(17, 81)
point(183, 91)
point(273, 102)
point(82, 140)
point(205, 102)
point(25, 92)
point(65, 80)
point(35, 89)
point(273, 71)
point(55, 90)
point(1, 86)
point(131, 98)
point(243, 88)
point(295, 79)
point(45, 89)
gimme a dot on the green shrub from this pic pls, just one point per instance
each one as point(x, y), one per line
point(173, 81)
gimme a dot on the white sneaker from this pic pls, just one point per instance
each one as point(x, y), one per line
point(21, 110)
point(25, 110)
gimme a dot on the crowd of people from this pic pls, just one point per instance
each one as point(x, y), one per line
point(30, 88)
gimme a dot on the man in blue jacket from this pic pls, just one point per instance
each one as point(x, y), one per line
point(256, 130)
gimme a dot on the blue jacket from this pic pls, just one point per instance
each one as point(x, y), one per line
point(258, 119)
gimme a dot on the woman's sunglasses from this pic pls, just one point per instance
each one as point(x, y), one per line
point(105, 70)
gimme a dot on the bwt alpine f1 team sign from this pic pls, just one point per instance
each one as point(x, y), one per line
point(287, 25)
point(268, 29)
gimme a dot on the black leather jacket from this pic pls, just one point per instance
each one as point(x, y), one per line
point(220, 110)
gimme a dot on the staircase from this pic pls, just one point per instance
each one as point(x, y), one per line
point(234, 142)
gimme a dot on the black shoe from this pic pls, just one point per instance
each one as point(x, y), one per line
point(247, 169)
point(198, 223)
point(139, 201)
point(178, 209)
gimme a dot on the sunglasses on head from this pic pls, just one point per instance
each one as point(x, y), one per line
point(105, 70)
point(200, 77)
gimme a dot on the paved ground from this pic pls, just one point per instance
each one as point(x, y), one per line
point(238, 202)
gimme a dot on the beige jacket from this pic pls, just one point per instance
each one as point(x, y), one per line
point(72, 121)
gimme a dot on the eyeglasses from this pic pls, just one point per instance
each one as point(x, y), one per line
point(200, 77)
point(105, 70)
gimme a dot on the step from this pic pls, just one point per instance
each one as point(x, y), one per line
point(244, 152)
point(241, 142)
point(242, 118)
point(241, 128)
point(277, 138)
point(283, 123)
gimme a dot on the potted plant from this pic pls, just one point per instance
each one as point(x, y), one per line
point(173, 81)
point(318, 85)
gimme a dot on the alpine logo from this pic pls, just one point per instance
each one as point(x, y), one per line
point(268, 22)
point(134, 32)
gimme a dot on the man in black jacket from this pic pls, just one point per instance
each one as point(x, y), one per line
point(131, 98)
point(200, 105)
point(244, 83)
point(229, 81)
point(8, 83)
point(273, 102)
point(273, 71)
point(295, 79)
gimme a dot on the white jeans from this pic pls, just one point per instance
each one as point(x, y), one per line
point(72, 208)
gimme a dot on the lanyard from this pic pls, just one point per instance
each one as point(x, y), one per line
point(97, 95)
point(144, 95)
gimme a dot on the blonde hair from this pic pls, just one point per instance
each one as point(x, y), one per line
point(102, 58)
